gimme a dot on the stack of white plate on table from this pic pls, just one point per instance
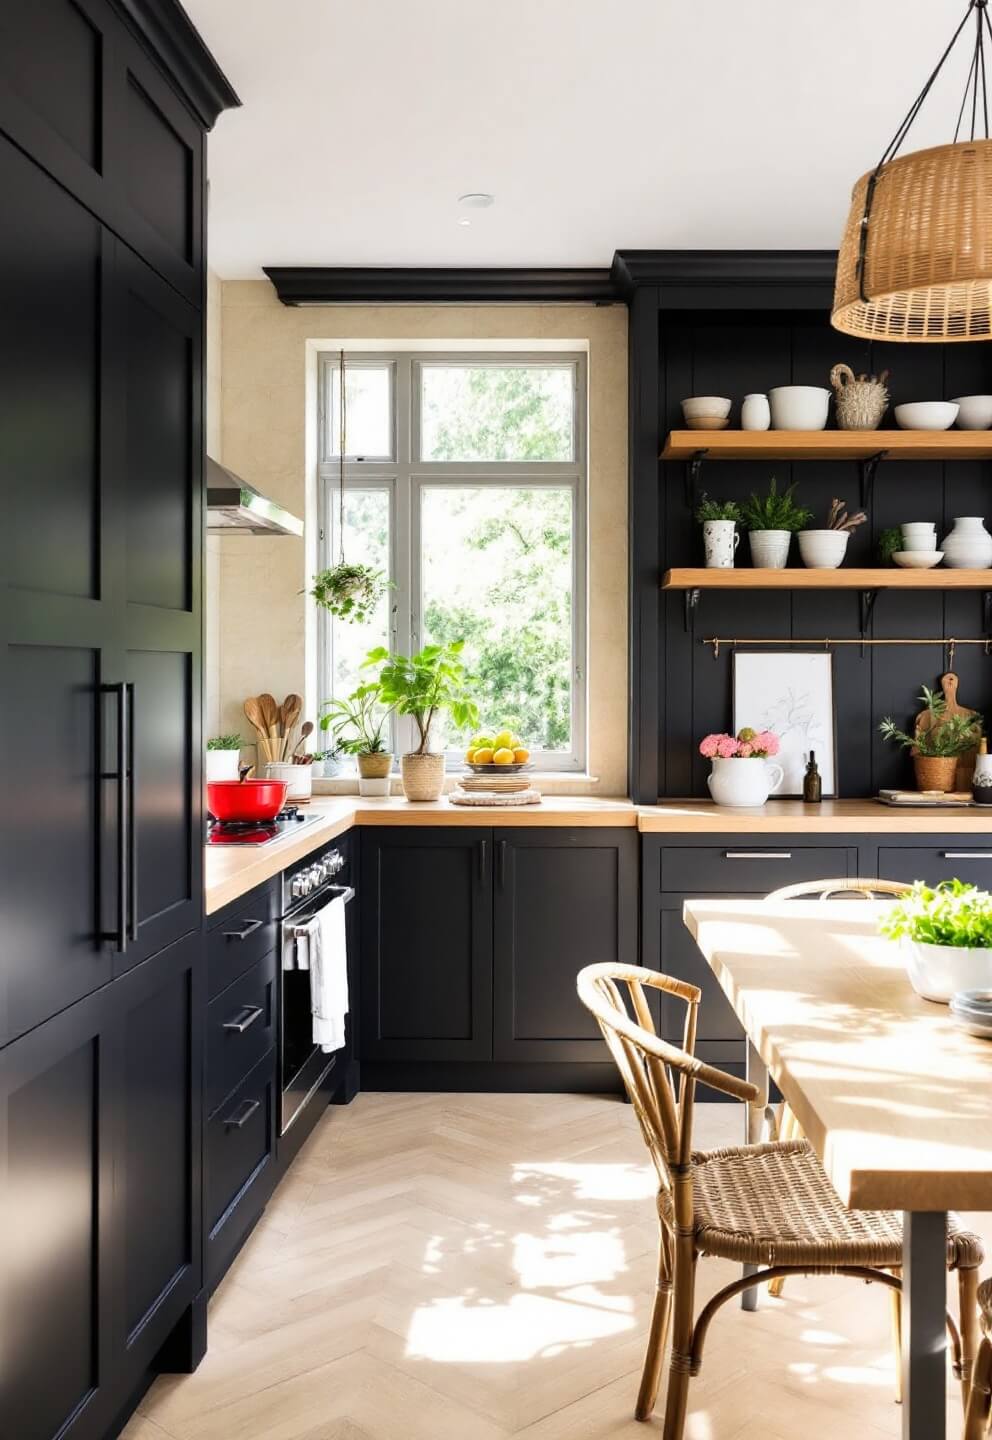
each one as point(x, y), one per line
point(919, 552)
point(495, 789)
point(971, 1010)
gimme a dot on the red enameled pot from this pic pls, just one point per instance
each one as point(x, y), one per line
point(246, 799)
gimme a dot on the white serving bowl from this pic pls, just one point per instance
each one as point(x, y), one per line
point(926, 415)
point(799, 407)
point(706, 407)
point(919, 536)
point(974, 412)
point(918, 559)
point(937, 971)
point(823, 549)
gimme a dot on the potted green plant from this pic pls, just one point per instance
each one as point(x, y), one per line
point(426, 685)
point(223, 752)
point(825, 549)
point(946, 936)
point(350, 592)
point(720, 538)
point(772, 520)
point(937, 743)
point(327, 763)
point(889, 543)
point(358, 725)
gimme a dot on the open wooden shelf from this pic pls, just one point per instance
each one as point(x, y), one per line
point(848, 578)
point(828, 444)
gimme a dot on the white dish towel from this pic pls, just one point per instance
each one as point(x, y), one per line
point(329, 976)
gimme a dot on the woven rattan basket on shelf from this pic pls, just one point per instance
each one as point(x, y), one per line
point(928, 255)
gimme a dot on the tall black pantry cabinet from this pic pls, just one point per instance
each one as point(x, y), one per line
point(103, 113)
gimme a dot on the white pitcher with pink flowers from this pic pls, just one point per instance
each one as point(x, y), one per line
point(743, 772)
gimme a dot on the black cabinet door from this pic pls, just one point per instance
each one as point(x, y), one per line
point(718, 1031)
point(564, 898)
point(427, 939)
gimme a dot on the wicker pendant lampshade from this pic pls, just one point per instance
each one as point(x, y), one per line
point(915, 261)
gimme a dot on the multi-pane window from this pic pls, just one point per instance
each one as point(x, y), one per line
point(465, 481)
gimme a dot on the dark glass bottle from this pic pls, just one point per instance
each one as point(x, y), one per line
point(812, 784)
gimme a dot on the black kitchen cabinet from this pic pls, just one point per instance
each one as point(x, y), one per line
point(564, 898)
point(427, 944)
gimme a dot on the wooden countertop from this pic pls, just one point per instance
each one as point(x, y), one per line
point(894, 1098)
point(230, 873)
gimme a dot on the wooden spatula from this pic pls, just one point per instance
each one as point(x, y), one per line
point(289, 714)
point(254, 713)
point(306, 730)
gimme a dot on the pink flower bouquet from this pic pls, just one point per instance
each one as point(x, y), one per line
point(747, 744)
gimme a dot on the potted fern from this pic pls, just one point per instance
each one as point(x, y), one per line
point(720, 538)
point(426, 685)
point(938, 742)
point(772, 520)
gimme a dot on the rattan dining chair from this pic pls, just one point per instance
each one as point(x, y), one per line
point(978, 1419)
point(769, 1205)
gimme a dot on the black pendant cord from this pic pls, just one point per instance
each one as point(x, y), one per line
point(976, 77)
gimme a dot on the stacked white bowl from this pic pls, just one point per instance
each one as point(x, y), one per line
point(706, 412)
point(919, 541)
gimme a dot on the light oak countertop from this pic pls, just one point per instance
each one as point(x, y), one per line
point(230, 873)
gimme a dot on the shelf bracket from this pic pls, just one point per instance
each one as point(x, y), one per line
point(693, 467)
point(690, 599)
point(867, 469)
point(866, 604)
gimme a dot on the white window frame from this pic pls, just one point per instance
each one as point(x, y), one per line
point(404, 477)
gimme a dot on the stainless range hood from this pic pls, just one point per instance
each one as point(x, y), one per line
point(233, 507)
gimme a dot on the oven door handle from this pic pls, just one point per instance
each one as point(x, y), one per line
point(332, 892)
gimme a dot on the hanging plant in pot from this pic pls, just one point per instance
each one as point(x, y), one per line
point(358, 725)
point(938, 743)
point(426, 685)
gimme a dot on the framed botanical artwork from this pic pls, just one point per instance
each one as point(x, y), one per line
point(792, 693)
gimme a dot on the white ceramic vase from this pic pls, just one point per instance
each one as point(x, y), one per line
point(968, 546)
point(720, 540)
point(981, 781)
point(823, 549)
point(743, 782)
point(938, 971)
point(221, 765)
point(756, 413)
point(770, 549)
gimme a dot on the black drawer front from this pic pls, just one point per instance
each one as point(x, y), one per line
point(244, 933)
point(953, 861)
point(240, 1142)
point(748, 868)
point(241, 1028)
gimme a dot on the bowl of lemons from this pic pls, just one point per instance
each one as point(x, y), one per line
point(501, 753)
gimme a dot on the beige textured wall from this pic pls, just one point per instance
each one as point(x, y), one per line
point(211, 593)
point(269, 355)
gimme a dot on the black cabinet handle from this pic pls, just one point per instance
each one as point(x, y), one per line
point(242, 1115)
point(482, 859)
point(244, 1019)
point(119, 936)
point(132, 829)
point(248, 928)
point(501, 863)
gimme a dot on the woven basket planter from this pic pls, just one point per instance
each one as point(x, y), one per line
point(423, 776)
point(375, 767)
point(935, 772)
point(928, 259)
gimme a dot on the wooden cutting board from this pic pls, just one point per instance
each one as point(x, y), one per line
point(966, 763)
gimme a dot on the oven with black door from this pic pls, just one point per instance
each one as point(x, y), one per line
point(306, 889)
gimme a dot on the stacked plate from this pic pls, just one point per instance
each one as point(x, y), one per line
point(972, 1011)
point(495, 784)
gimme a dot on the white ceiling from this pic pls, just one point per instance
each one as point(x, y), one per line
point(597, 124)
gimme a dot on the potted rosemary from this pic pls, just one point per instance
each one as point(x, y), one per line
point(772, 520)
point(223, 752)
point(426, 685)
point(938, 743)
point(358, 725)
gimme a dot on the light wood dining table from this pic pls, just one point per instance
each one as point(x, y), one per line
point(896, 1101)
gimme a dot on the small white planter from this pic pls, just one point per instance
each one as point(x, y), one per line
point(938, 971)
point(221, 765)
point(743, 782)
point(823, 549)
point(720, 540)
point(770, 549)
point(373, 787)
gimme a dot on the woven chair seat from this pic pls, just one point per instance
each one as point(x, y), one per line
point(773, 1204)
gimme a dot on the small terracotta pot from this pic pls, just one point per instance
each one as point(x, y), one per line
point(375, 767)
point(935, 772)
point(423, 776)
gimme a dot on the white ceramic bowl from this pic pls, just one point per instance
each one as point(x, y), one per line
point(918, 559)
point(974, 412)
point(918, 536)
point(706, 407)
point(799, 407)
point(823, 549)
point(937, 971)
point(926, 415)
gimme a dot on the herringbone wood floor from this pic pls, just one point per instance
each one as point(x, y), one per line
point(468, 1267)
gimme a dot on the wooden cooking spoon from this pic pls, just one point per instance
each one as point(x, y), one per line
point(270, 714)
point(254, 713)
point(306, 730)
point(289, 714)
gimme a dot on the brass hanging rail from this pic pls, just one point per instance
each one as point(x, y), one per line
point(949, 643)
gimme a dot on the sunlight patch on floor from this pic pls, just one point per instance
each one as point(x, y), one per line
point(467, 1331)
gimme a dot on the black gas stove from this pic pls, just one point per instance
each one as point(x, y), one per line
point(257, 832)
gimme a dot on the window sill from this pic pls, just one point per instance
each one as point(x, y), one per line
point(551, 782)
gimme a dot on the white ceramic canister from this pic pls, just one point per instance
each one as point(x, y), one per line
point(968, 546)
point(299, 778)
point(221, 765)
point(770, 549)
point(743, 782)
point(720, 540)
point(756, 413)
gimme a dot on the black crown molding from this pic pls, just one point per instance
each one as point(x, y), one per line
point(333, 285)
point(174, 42)
point(684, 269)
